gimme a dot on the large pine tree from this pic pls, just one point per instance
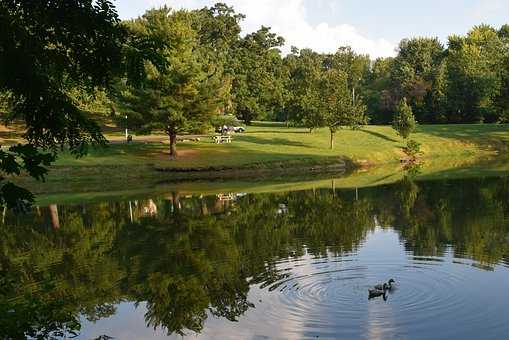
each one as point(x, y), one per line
point(181, 86)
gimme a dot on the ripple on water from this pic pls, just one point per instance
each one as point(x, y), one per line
point(330, 293)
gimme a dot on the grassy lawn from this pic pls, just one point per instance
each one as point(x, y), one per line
point(263, 144)
point(264, 147)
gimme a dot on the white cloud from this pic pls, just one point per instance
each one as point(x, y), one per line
point(288, 19)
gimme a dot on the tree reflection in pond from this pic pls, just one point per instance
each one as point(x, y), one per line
point(190, 257)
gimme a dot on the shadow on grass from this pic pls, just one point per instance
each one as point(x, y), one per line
point(285, 131)
point(10, 137)
point(379, 135)
point(273, 141)
point(120, 149)
point(480, 134)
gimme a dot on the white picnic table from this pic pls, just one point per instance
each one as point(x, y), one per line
point(222, 139)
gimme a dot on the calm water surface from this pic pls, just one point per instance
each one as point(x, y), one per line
point(253, 266)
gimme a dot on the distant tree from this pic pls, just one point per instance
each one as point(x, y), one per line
point(378, 94)
point(218, 27)
point(258, 83)
point(501, 101)
point(416, 75)
point(307, 72)
point(219, 30)
point(503, 32)
point(475, 75)
point(184, 90)
point(404, 121)
point(304, 68)
point(356, 66)
point(48, 48)
point(338, 108)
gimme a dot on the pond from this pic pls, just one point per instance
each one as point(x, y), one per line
point(294, 264)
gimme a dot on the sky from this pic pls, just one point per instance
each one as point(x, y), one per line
point(372, 27)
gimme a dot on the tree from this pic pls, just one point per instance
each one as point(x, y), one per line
point(338, 108)
point(404, 120)
point(356, 66)
point(181, 87)
point(380, 99)
point(474, 75)
point(219, 31)
point(258, 82)
point(47, 49)
point(416, 75)
point(502, 100)
point(304, 69)
point(308, 71)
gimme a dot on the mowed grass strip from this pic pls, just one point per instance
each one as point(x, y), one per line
point(263, 144)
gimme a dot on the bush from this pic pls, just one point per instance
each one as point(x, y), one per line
point(412, 149)
point(404, 121)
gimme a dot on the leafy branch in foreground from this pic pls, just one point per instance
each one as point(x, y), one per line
point(48, 49)
point(15, 160)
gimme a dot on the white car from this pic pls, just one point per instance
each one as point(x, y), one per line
point(239, 129)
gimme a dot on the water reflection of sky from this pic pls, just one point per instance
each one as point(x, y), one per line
point(303, 259)
point(333, 299)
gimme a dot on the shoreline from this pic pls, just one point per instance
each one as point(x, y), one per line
point(84, 179)
point(265, 153)
point(273, 182)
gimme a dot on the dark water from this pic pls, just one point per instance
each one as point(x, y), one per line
point(280, 265)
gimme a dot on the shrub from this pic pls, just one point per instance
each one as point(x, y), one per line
point(404, 121)
point(412, 149)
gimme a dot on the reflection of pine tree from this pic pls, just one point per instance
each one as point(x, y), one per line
point(407, 195)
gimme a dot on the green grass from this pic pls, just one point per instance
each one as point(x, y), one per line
point(268, 144)
point(381, 175)
point(265, 147)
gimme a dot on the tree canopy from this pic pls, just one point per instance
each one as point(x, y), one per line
point(178, 70)
point(48, 49)
point(404, 120)
point(185, 88)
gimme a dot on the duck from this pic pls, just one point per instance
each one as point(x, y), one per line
point(374, 292)
point(389, 283)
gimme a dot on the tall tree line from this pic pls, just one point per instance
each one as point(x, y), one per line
point(250, 78)
point(465, 82)
point(179, 70)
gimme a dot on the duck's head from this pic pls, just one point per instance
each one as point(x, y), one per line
point(391, 281)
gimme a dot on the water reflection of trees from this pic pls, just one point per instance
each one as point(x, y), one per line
point(468, 215)
point(187, 257)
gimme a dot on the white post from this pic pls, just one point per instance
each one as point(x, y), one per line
point(126, 134)
point(131, 211)
point(353, 95)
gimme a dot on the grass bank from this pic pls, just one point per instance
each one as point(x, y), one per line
point(439, 169)
point(262, 150)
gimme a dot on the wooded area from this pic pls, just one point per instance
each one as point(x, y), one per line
point(181, 70)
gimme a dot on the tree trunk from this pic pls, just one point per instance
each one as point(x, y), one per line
point(332, 140)
point(55, 221)
point(176, 202)
point(173, 144)
point(246, 117)
point(204, 208)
